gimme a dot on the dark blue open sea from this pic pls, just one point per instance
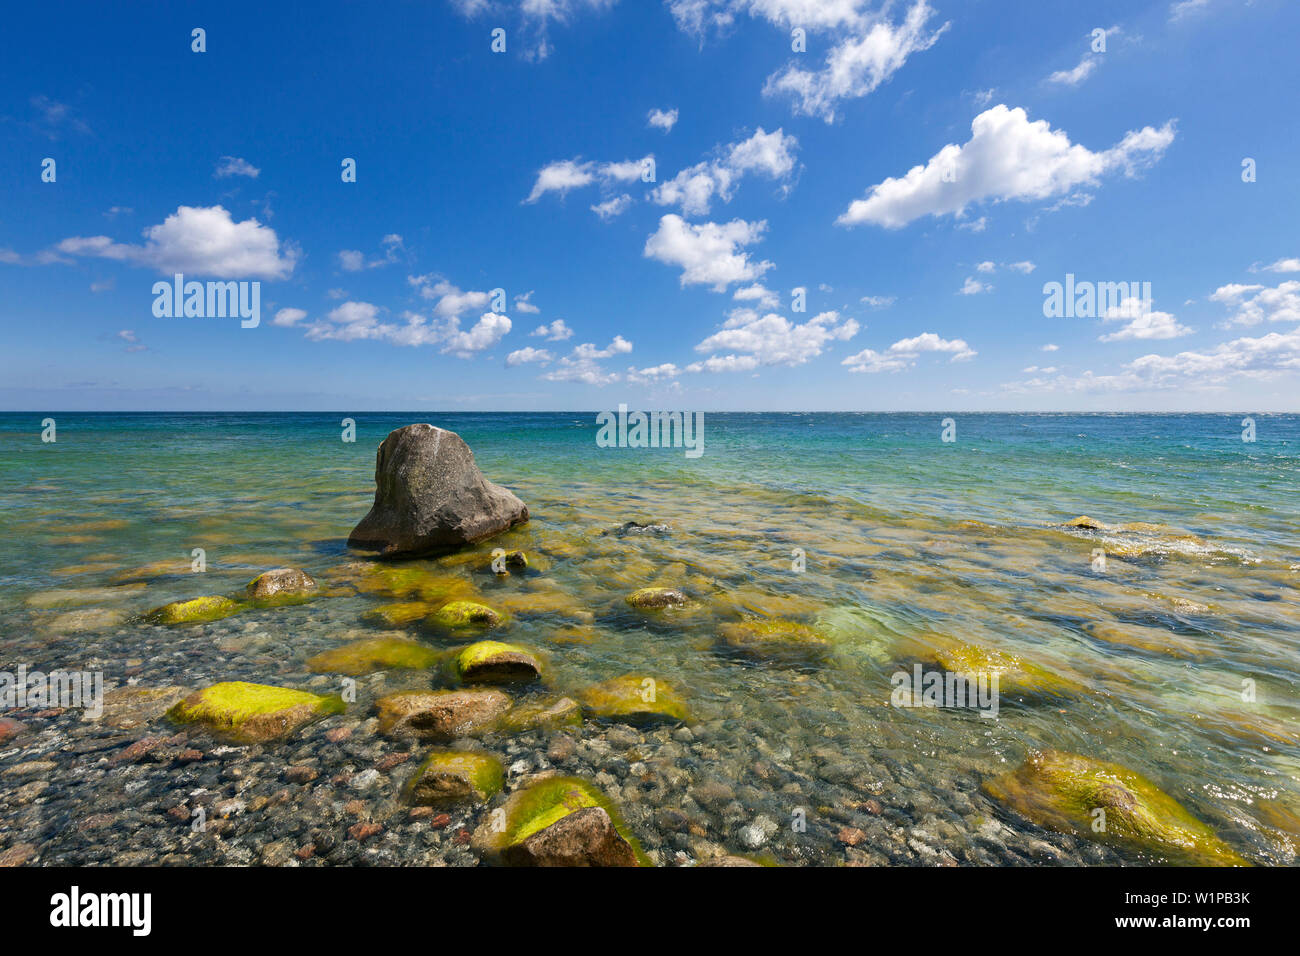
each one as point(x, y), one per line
point(1179, 657)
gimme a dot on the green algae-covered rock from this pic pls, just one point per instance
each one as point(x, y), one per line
point(394, 616)
point(501, 564)
point(417, 580)
point(494, 662)
point(252, 713)
point(374, 654)
point(547, 714)
point(1064, 792)
point(281, 585)
point(441, 714)
point(449, 776)
point(656, 598)
point(634, 699)
point(559, 821)
point(194, 611)
point(775, 640)
point(1016, 674)
point(462, 614)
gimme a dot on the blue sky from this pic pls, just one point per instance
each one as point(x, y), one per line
point(921, 170)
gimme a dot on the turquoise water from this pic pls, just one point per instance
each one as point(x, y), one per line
point(910, 544)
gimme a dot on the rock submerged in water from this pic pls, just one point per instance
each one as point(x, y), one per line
point(373, 654)
point(634, 699)
point(462, 614)
point(198, 610)
point(657, 598)
point(441, 714)
point(252, 713)
point(450, 776)
point(431, 498)
point(494, 662)
point(559, 821)
point(280, 583)
point(774, 641)
point(1063, 792)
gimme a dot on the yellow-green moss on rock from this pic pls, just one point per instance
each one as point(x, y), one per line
point(775, 640)
point(281, 586)
point(495, 662)
point(197, 610)
point(634, 699)
point(657, 598)
point(395, 616)
point(546, 714)
point(1064, 792)
point(253, 713)
point(559, 821)
point(451, 776)
point(464, 614)
point(374, 654)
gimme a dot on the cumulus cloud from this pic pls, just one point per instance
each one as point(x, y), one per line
point(355, 321)
point(1253, 304)
point(234, 166)
point(353, 260)
point(662, 119)
point(200, 241)
point(694, 188)
point(583, 363)
point(771, 339)
point(289, 317)
point(613, 207)
point(709, 253)
point(1008, 157)
point(973, 286)
point(759, 294)
point(449, 300)
point(1281, 265)
point(904, 353)
point(526, 355)
point(1141, 323)
point(523, 303)
point(555, 331)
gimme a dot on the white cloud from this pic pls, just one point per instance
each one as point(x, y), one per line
point(1282, 265)
point(289, 317)
point(556, 331)
point(583, 363)
point(904, 353)
point(490, 329)
point(449, 300)
point(234, 166)
point(202, 241)
point(1142, 323)
point(1254, 304)
point(986, 267)
point(353, 321)
point(873, 50)
point(566, 174)
point(773, 339)
point(1077, 75)
point(878, 301)
point(662, 119)
point(653, 374)
point(973, 286)
point(1049, 347)
point(533, 19)
point(708, 253)
point(352, 260)
point(523, 303)
point(613, 207)
point(1185, 8)
point(526, 355)
point(1007, 158)
point(1024, 268)
point(693, 188)
point(759, 294)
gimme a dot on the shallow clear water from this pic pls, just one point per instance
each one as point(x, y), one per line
point(909, 543)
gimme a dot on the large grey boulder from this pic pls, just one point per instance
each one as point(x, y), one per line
point(430, 497)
